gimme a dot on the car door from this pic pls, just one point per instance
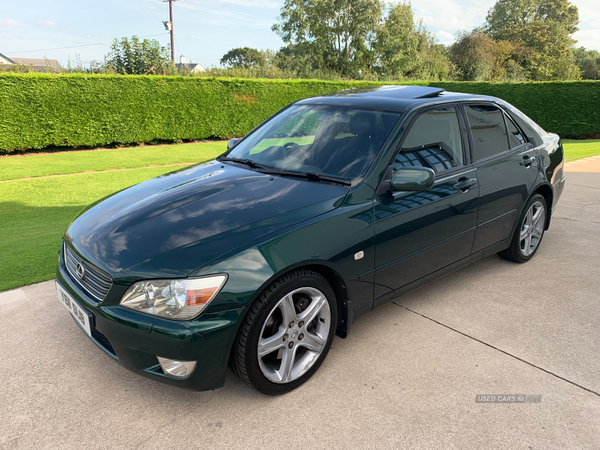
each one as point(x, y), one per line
point(506, 166)
point(420, 232)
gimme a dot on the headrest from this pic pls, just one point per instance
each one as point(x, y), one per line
point(363, 124)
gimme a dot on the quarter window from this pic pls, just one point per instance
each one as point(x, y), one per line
point(515, 137)
point(488, 130)
point(433, 141)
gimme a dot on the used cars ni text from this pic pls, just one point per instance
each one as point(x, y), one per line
point(332, 207)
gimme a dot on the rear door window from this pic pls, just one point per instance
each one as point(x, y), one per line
point(488, 130)
point(433, 141)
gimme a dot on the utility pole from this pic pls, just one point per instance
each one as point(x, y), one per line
point(169, 27)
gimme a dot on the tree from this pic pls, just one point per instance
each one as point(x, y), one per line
point(546, 50)
point(507, 14)
point(478, 57)
point(540, 31)
point(333, 35)
point(589, 63)
point(246, 57)
point(406, 49)
point(138, 57)
point(357, 39)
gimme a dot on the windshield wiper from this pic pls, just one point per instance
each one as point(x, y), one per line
point(247, 162)
point(313, 176)
point(289, 173)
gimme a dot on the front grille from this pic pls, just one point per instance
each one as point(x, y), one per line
point(95, 281)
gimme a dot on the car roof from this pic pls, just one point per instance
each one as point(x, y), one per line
point(398, 97)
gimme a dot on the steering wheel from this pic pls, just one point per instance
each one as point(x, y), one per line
point(290, 147)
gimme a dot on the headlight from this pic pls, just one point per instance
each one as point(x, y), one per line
point(174, 299)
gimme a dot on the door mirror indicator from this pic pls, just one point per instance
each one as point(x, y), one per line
point(413, 179)
point(232, 143)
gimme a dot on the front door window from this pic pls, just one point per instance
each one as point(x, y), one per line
point(433, 141)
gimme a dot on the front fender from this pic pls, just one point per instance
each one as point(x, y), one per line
point(329, 241)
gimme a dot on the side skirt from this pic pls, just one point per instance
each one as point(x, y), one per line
point(488, 251)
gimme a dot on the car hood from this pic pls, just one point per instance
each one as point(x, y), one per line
point(171, 225)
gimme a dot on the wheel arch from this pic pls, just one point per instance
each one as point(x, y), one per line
point(545, 190)
point(344, 305)
point(335, 280)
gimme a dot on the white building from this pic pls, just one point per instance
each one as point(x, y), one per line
point(192, 67)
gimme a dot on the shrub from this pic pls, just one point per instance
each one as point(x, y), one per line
point(41, 110)
point(569, 108)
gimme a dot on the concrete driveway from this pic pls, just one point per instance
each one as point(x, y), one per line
point(407, 376)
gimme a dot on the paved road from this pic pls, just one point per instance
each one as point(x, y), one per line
point(407, 377)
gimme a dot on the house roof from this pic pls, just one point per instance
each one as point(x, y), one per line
point(7, 58)
point(189, 66)
point(39, 64)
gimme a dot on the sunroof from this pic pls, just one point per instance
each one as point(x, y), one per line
point(395, 91)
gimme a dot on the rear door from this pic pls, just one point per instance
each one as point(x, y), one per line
point(420, 232)
point(507, 168)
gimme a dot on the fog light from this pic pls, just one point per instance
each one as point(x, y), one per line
point(177, 369)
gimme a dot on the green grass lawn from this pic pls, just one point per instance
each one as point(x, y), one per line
point(35, 213)
point(581, 149)
point(37, 165)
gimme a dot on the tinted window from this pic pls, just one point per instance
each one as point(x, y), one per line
point(326, 140)
point(515, 137)
point(488, 130)
point(533, 131)
point(433, 141)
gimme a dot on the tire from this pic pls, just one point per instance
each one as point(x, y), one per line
point(291, 325)
point(528, 232)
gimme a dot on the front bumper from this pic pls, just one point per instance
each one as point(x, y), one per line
point(135, 340)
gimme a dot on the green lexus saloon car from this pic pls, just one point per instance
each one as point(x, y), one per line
point(332, 207)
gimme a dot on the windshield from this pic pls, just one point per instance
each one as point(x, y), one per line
point(326, 140)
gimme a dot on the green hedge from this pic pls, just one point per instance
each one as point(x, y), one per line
point(40, 110)
point(569, 108)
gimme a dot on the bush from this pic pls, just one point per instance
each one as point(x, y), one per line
point(568, 108)
point(41, 110)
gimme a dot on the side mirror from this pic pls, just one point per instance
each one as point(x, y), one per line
point(413, 179)
point(232, 143)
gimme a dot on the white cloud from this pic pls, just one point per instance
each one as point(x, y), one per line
point(589, 13)
point(446, 17)
point(9, 23)
point(445, 37)
point(46, 23)
point(589, 24)
point(589, 39)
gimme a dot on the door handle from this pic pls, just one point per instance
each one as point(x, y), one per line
point(527, 161)
point(464, 184)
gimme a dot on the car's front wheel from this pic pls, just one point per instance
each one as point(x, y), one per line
point(287, 333)
point(528, 235)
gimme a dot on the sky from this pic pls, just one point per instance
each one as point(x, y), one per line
point(204, 29)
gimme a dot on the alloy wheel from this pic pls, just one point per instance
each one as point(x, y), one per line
point(294, 335)
point(532, 228)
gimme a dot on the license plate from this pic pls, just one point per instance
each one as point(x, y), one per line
point(73, 307)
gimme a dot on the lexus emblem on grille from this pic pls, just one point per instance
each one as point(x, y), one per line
point(80, 271)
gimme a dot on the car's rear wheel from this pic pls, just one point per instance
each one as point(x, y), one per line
point(528, 235)
point(287, 333)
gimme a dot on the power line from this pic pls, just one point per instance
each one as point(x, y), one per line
point(78, 46)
